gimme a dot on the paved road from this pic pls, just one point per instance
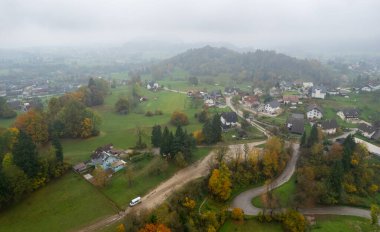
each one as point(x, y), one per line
point(243, 200)
point(158, 195)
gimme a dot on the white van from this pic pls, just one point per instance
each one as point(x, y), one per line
point(135, 201)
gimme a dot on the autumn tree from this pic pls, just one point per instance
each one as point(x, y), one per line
point(154, 228)
point(179, 119)
point(294, 221)
point(100, 177)
point(375, 211)
point(199, 136)
point(237, 214)
point(34, 124)
point(220, 182)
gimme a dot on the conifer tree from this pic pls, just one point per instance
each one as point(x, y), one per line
point(58, 149)
point(25, 154)
point(156, 136)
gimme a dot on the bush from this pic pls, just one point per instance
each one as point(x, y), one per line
point(179, 119)
point(237, 214)
point(158, 112)
point(149, 113)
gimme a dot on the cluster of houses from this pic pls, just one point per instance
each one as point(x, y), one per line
point(152, 86)
point(213, 98)
point(105, 157)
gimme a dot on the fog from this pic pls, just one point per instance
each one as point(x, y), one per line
point(310, 25)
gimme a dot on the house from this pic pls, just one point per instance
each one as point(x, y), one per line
point(80, 167)
point(107, 161)
point(290, 99)
point(228, 120)
point(318, 92)
point(314, 112)
point(307, 84)
point(215, 94)
point(329, 126)
point(258, 91)
point(274, 92)
point(349, 114)
point(332, 92)
point(366, 89)
point(231, 91)
point(250, 101)
point(367, 130)
point(272, 107)
point(152, 85)
point(295, 124)
point(210, 102)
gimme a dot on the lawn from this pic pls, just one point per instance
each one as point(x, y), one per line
point(283, 193)
point(5, 123)
point(119, 190)
point(66, 203)
point(250, 225)
point(332, 223)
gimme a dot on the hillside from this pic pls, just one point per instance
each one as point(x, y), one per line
point(258, 65)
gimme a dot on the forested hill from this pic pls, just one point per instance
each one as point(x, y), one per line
point(211, 61)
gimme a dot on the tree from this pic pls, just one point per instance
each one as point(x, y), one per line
point(58, 149)
point(100, 177)
point(203, 116)
point(179, 119)
point(245, 114)
point(180, 160)
point(237, 214)
point(166, 142)
point(220, 182)
point(217, 128)
point(375, 211)
point(34, 124)
point(139, 143)
point(122, 106)
point(178, 141)
point(199, 136)
point(314, 137)
point(193, 80)
point(303, 139)
point(25, 154)
point(5, 110)
point(120, 228)
point(154, 228)
point(294, 221)
point(156, 136)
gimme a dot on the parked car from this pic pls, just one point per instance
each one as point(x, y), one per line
point(135, 201)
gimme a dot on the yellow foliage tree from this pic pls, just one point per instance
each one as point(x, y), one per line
point(87, 127)
point(120, 228)
point(199, 136)
point(154, 228)
point(189, 203)
point(237, 214)
point(220, 182)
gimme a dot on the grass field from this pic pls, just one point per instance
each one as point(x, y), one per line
point(332, 223)
point(5, 123)
point(283, 193)
point(250, 225)
point(64, 204)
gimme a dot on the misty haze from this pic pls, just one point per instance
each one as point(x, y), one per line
point(166, 116)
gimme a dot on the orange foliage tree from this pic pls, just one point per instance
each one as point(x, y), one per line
point(154, 228)
point(179, 119)
point(34, 124)
point(220, 182)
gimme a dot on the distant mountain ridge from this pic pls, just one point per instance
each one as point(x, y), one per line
point(212, 61)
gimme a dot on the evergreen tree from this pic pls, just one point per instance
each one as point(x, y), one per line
point(165, 142)
point(156, 136)
point(336, 179)
point(178, 141)
point(25, 154)
point(207, 132)
point(348, 149)
point(303, 139)
point(313, 138)
point(216, 128)
point(188, 146)
point(58, 149)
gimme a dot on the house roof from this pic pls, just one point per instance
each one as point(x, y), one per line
point(297, 125)
point(351, 113)
point(366, 128)
point(297, 116)
point(321, 88)
point(291, 98)
point(118, 163)
point(314, 106)
point(231, 89)
point(251, 99)
point(329, 124)
point(230, 117)
point(80, 166)
point(274, 104)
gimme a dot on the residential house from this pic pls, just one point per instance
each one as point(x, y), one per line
point(152, 85)
point(250, 101)
point(107, 161)
point(367, 130)
point(228, 119)
point(258, 91)
point(318, 92)
point(314, 112)
point(232, 91)
point(349, 114)
point(80, 168)
point(329, 126)
point(307, 84)
point(296, 124)
point(332, 92)
point(215, 94)
point(366, 89)
point(272, 107)
point(285, 86)
point(274, 92)
point(209, 102)
point(290, 99)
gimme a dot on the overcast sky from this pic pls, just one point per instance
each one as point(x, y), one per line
point(260, 24)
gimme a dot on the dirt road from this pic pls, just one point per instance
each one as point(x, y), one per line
point(158, 195)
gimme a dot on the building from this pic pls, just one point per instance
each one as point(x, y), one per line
point(329, 126)
point(366, 89)
point(272, 107)
point(290, 99)
point(307, 84)
point(332, 92)
point(296, 124)
point(228, 120)
point(152, 85)
point(210, 102)
point(231, 91)
point(314, 112)
point(318, 92)
point(250, 101)
point(367, 130)
point(349, 114)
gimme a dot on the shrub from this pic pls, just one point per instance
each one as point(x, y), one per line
point(158, 112)
point(179, 119)
point(237, 214)
point(149, 113)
